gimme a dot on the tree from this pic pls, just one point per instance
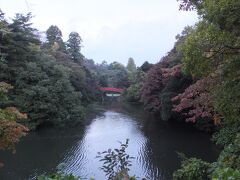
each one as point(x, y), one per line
point(211, 56)
point(223, 13)
point(21, 39)
point(189, 5)
point(134, 91)
point(206, 49)
point(54, 38)
point(152, 88)
point(196, 101)
point(74, 47)
point(146, 66)
point(165, 80)
point(48, 85)
point(3, 31)
point(45, 92)
point(10, 130)
point(117, 75)
point(131, 67)
point(226, 94)
point(212, 50)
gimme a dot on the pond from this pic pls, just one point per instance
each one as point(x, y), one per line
point(153, 143)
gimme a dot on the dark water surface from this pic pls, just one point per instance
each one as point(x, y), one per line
point(153, 143)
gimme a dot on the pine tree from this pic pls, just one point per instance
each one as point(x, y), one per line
point(131, 66)
point(54, 38)
point(74, 46)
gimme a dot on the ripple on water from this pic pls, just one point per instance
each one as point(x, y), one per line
point(153, 147)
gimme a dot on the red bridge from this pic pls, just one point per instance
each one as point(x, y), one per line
point(110, 89)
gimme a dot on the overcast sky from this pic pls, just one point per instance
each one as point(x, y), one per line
point(112, 30)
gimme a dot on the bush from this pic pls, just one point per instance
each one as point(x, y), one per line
point(192, 168)
point(133, 93)
point(230, 156)
point(58, 176)
point(226, 173)
point(227, 134)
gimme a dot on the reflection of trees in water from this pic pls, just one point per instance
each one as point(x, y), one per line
point(113, 106)
point(40, 152)
point(155, 155)
point(158, 155)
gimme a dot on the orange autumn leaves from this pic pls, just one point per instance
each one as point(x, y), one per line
point(10, 130)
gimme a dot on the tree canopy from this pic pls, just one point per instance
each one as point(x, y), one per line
point(74, 46)
point(131, 66)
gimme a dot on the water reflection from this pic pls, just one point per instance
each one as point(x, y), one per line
point(103, 133)
point(37, 153)
point(154, 144)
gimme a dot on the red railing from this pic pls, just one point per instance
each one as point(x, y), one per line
point(110, 89)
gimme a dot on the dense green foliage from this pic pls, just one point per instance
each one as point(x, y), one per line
point(54, 39)
point(49, 79)
point(74, 47)
point(44, 89)
point(58, 176)
point(136, 78)
point(212, 51)
point(227, 134)
point(192, 169)
point(109, 75)
point(134, 91)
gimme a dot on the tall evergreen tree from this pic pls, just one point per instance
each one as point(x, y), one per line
point(74, 46)
point(54, 38)
point(131, 66)
point(3, 31)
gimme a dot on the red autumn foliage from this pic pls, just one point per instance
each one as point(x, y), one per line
point(152, 87)
point(196, 101)
point(156, 80)
point(170, 72)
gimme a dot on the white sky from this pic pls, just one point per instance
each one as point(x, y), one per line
point(112, 30)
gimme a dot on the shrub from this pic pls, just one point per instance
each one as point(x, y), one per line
point(227, 134)
point(230, 156)
point(226, 173)
point(192, 168)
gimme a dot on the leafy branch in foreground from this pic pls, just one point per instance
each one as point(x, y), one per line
point(60, 175)
point(116, 162)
